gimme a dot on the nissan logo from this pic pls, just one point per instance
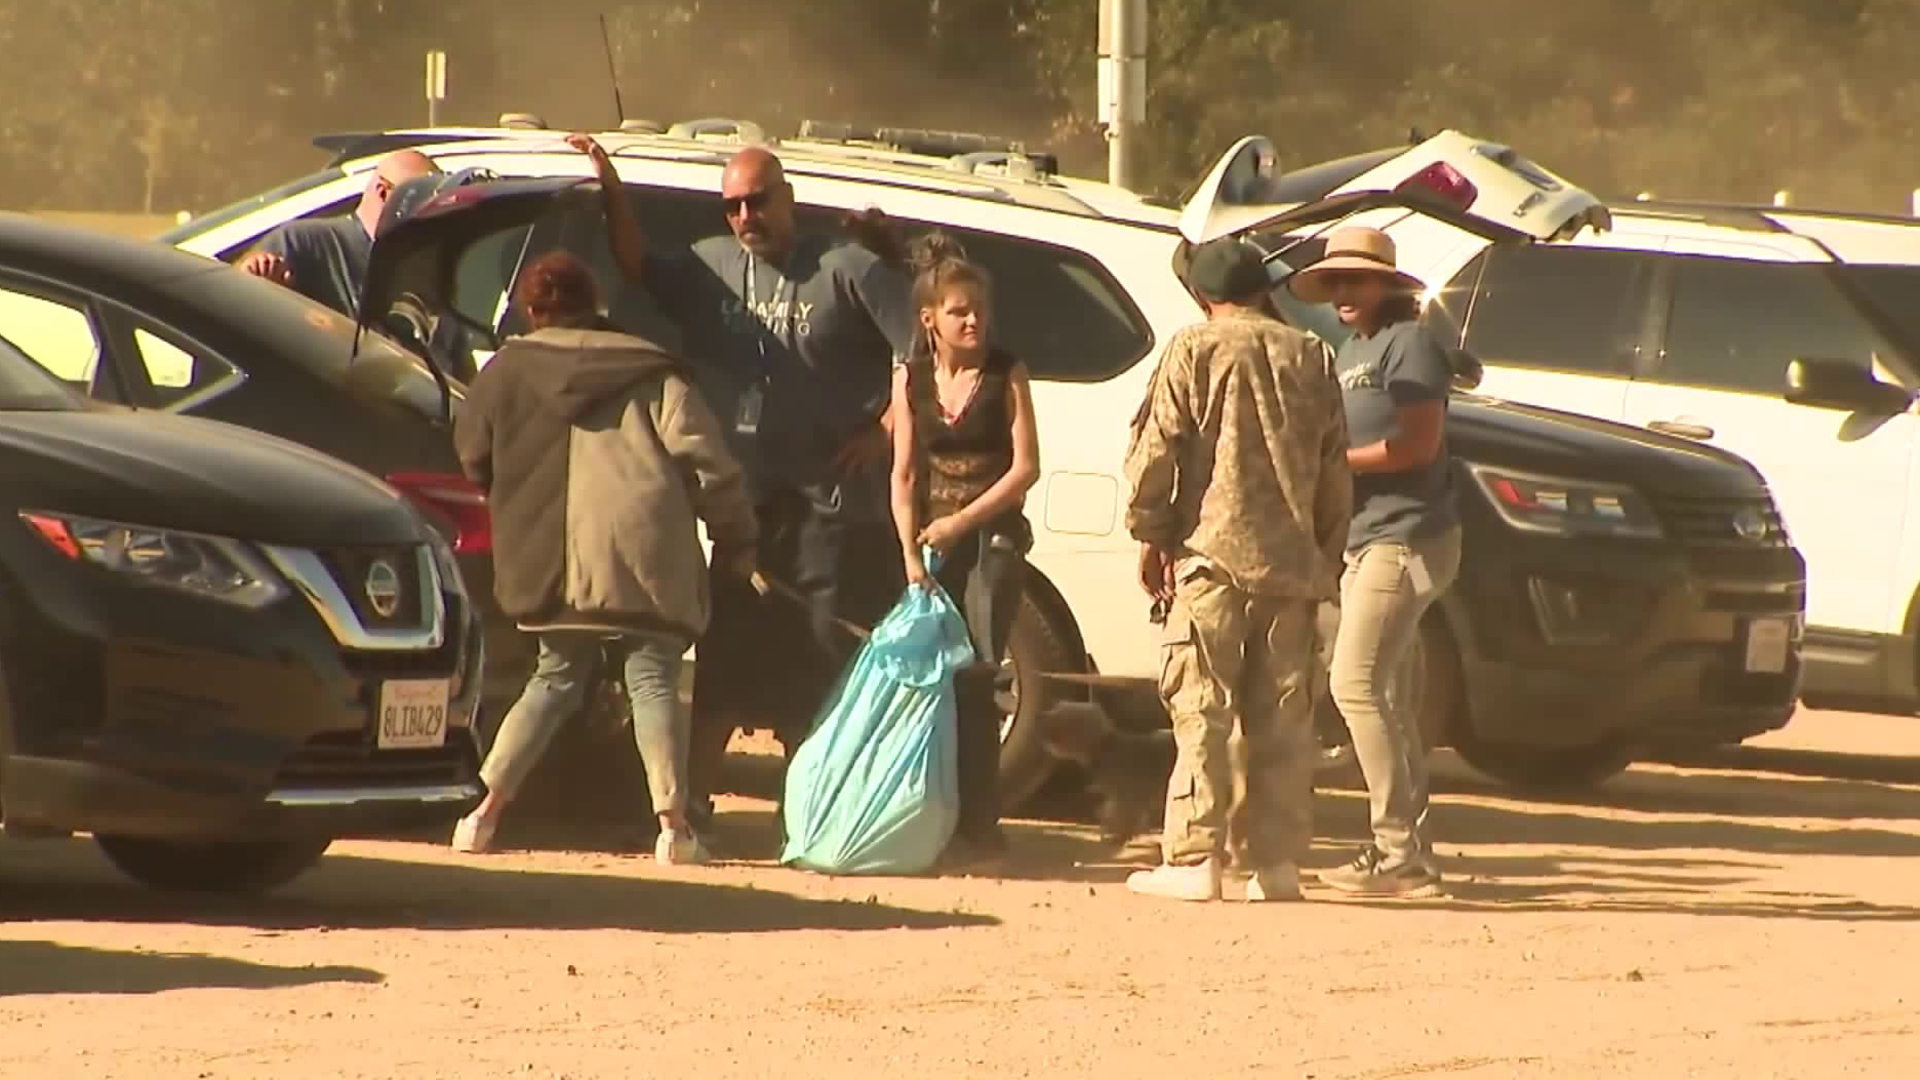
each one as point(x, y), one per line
point(383, 588)
point(1750, 524)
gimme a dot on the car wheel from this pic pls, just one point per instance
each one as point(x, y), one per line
point(1035, 644)
point(1546, 769)
point(212, 866)
point(1428, 684)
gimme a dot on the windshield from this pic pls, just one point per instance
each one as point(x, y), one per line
point(217, 218)
point(26, 386)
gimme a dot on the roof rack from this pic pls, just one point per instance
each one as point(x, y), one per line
point(928, 142)
point(1726, 215)
point(1771, 213)
point(719, 129)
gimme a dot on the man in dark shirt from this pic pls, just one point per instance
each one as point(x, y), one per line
point(325, 259)
point(792, 338)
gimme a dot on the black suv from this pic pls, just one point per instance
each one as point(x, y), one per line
point(218, 650)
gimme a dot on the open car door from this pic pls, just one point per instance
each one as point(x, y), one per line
point(1245, 191)
point(1443, 200)
point(447, 249)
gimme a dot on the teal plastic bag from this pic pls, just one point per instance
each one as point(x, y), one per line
point(873, 789)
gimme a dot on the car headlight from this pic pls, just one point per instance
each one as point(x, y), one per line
point(1565, 506)
point(212, 567)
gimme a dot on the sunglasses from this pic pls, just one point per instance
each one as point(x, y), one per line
point(740, 204)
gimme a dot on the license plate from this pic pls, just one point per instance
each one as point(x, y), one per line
point(413, 714)
point(1767, 642)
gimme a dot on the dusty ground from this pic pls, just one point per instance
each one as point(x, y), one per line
point(1744, 917)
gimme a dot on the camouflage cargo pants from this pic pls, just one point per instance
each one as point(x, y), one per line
point(1229, 659)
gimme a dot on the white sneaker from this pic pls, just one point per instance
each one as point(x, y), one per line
point(1281, 881)
point(473, 836)
point(1200, 882)
point(679, 847)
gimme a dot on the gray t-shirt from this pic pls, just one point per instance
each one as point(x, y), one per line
point(813, 341)
point(1403, 364)
point(328, 257)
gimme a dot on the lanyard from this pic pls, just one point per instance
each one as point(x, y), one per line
point(752, 290)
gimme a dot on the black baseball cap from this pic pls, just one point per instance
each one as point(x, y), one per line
point(1226, 270)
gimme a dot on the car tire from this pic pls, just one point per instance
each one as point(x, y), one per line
point(1431, 676)
point(212, 866)
point(1036, 643)
point(1547, 769)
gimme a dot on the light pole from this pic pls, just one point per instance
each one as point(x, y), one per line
point(1123, 83)
point(436, 85)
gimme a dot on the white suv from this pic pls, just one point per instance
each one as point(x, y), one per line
point(1788, 337)
point(1084, 272)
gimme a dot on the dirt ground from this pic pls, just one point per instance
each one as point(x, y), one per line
point(1747, 915)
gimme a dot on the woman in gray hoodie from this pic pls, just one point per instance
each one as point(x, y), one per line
point(597, 456)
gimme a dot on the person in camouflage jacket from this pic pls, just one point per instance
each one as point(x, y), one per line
point(1240, 500)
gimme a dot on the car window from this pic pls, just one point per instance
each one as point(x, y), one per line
point(338, 208)
point(1056, 309)
point(26, 385)
point(480, 280)
point(174, 375)
point(1894, 294)
point(1571, 309)
point(60, 337)
point(1735, 324)
point(672, 219)
point(207, 222)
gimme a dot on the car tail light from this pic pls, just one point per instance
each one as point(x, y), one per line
point(55, 532)
point(1445, 181)
point(456, 502)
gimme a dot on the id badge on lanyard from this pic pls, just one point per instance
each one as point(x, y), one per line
point(746, 414)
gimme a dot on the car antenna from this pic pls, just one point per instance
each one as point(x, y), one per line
point(606, 45)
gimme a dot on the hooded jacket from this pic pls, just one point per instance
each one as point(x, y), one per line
point(597, 455)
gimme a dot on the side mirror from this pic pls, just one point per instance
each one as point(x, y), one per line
point(1842, 384)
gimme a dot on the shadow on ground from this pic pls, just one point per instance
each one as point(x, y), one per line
point(45, 967)
point(1727, 814)
point(67, 880)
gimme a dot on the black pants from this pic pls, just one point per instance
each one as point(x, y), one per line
point(770, 662)
point(983, 576)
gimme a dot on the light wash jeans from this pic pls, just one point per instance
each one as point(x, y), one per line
point(563, 677)
point(1385, 590)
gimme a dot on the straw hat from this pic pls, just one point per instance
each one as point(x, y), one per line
point(1355, 247)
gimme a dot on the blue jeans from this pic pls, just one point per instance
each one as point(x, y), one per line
point(563, 677)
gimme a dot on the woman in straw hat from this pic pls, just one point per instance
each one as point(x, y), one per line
point(1403, 547)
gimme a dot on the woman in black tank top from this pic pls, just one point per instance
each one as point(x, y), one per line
point(964, 454)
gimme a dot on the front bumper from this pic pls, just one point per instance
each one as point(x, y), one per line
point(1570, 644)
point(140, 711)
point(81, 796)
